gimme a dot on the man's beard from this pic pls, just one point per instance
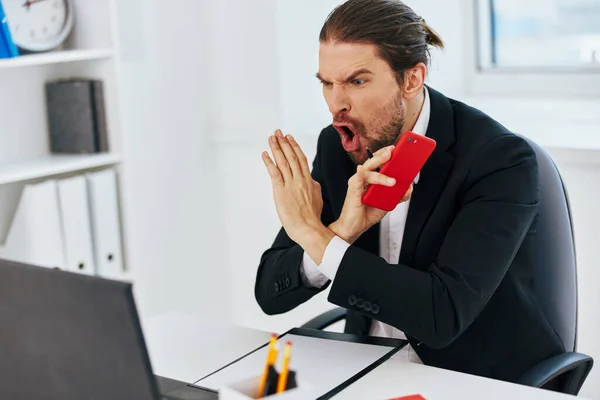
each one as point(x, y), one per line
point(384, 131)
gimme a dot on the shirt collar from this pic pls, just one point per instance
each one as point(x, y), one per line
point(422, 123)
point(423, 120)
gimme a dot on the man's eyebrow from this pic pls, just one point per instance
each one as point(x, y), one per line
point(356, 73)
point(350, 77)
point(319, 77)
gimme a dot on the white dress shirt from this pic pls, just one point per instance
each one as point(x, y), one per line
point(391, 232)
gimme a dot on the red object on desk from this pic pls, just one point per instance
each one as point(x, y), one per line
point(411, 397)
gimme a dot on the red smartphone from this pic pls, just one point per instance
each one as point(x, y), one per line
point(408, 157)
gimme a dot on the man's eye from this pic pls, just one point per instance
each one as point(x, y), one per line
point(357, 82)
point(326, 84)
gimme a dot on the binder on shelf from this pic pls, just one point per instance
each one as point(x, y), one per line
point(76, 227)
point(8, 49)
point(101, 132)
point(105, 223)
point(35, 233)
point(76, 116)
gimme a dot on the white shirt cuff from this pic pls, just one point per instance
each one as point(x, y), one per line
point(333, 257)
point(317, 276)
point(311, 276)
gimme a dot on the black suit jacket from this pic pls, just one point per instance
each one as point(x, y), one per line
point(463, 289)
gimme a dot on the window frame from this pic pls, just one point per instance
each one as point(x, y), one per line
point(504, 81)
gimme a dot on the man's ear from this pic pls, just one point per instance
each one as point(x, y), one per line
point(414, 80)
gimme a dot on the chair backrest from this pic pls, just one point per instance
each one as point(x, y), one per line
point(555, 270)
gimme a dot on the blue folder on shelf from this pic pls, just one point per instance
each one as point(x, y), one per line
point(8, 49)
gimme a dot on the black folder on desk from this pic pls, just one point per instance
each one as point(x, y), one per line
point(329, 361)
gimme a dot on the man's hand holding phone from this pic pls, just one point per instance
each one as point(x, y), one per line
point(356, 217)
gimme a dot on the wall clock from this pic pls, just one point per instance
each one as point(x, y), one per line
point(39, 25)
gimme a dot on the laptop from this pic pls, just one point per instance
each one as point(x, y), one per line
point(65, 335)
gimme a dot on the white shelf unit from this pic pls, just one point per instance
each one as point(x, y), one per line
point(56, 57)
point(52, 165)
point(91, 51)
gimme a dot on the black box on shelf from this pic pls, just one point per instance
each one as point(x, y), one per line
point(76, 116)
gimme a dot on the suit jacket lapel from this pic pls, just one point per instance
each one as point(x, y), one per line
point(433, 175)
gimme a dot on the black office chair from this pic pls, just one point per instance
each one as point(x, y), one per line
point(555, 285)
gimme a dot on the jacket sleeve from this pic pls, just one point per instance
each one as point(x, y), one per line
point(279, 286)
point(436, 305)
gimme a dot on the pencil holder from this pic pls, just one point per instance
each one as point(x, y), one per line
point(247, 389)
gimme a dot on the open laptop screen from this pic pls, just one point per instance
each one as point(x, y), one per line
point(70, 336)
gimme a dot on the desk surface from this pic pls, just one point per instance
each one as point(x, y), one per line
point(396, 378)
point(184, 347)
point(187, 348)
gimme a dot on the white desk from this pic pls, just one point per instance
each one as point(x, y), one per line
point(185, 348)
point(396, 378)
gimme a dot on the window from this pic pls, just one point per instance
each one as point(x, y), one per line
point(560, 35)
point(536, 47)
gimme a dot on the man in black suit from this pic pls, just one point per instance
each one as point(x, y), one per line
point(450, 268)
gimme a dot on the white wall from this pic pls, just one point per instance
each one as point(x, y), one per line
point(172, 205)
point(242, 67)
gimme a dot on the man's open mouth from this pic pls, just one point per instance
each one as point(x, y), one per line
point(350, 141)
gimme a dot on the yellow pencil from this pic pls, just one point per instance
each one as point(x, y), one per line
point(283, 376)
point(271, 358)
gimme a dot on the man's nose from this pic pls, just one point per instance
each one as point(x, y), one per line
point(338, 101)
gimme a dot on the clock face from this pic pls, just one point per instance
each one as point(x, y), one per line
point(38, 25)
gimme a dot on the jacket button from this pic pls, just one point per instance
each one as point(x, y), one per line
point(276, 287)
point(367, 305)
point(359, 302)
point(375, 309)
point(287, 282)
point(352, 300)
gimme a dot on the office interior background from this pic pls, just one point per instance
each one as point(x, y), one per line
point(193, 89)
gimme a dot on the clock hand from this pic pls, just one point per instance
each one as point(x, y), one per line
point(28, 3)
